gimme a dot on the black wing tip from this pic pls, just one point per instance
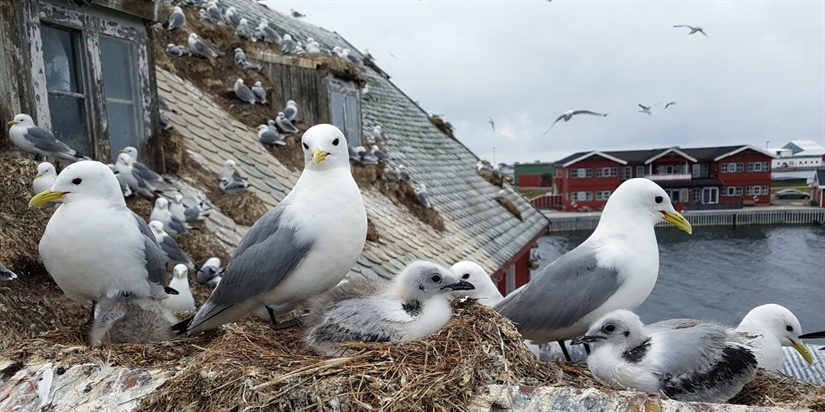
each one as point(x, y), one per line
point(170, 291)
point(182, 327)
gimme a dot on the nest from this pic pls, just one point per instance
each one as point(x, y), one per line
point(488, 176)
point(445, 127)
point(403, 193)
point(508, 204)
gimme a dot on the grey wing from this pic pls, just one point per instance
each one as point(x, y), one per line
point(204, 49)
point(173, 251)
point(589, 112)
point(681, 25)
point(191, 213)
point(562, 293)
point(424, 198)
point(141, 182)
point(260, 94)
point(245, 94)
point(266, 256)
point(316, 307)
point(45, 141)
point(176, 225)
point(205, 274)
point(359, 320)
point(146, 173)
point(554, 123)
point(176, 20)
point(289, 113)
point(151, 253)
point(236, 176)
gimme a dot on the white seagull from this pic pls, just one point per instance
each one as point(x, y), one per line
point(646, 109)
point(242, 92)
point(177, 19)
point(776, 327)
point(30, 138)
point(693, 29)
point(44, 179)
point(566, 116)
point(196, 46)
point(180, 282)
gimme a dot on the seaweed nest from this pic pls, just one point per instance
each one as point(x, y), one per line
point(442, 125)
point(403, 193)
point(508, 204)
point(488, 176)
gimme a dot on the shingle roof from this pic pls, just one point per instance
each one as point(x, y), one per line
point(476, 227)
point(819, 178)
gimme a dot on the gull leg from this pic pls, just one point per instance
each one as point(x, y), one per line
point(283, 325)
point(564, 350)
point(91, 319)
point(587, 348)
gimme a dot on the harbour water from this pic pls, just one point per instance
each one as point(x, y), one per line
point(721, 273)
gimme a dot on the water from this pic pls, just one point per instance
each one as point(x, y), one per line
point(721, 273)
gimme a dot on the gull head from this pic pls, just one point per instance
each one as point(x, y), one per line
point(157, 227)
point(213, 262)
point(776, 322)
point(180, 271)
point(229, 164)
point(193, 36)
point(324, 146)
point(131, 151)
point(178, 199)
point(422, 280)
point(124, 159)
point(162, 203)
point(485, 290)
point(82, 180)
point(642, 198)
point(22, 119)
point(621, 328)
point(45, 169)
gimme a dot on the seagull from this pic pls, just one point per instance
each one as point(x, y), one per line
point(379, 154)
point(693, 30)
point(210, 273)
point(423, 196)
point(414, 305)
point(313, 47)
point(485, 290)
point(296, 14)
point(137, 184)
point(171, 224)
point(92, 231)
point(403, 173)
point(177, 50)
point(169, 248)
point(291, 110)
point(240, 56)
point(30, 138)
point(147, 174)
point(230, 17)
point(364, 156)
point(285, 125)
point(492, 123)
point(615, 268)
point(570, 113)
point(378, 134)
point(776, 327)
point(163, 120)
point(45, 177)
point(228, 171)
point(347, 54)
point(183, 213)
point(131, 320)
point(180, 282)
point(196, 46)
point(265, 33)
point(685, 360)
point(646, 109)
point(243, 31)
point(287, 44)
point(124, 186)
point(177, 19)
point(302, 247)
point(214, 12)
point(270, 137)
point(232, 186)
point(669, 104)
point(243, 92)
point(259, 92)
point(6, 274)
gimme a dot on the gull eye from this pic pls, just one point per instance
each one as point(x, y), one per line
point(789, 328)
point(306, 146)
point(77, 181)
point(659, 199)
point(609, 328)
point(436, 278)
point(335, 142)
point(466, 276)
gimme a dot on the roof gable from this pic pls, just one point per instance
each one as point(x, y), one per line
point(669, 151)
point(573, 160)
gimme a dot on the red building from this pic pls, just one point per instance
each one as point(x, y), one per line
point(700, 178)
point(818, 187)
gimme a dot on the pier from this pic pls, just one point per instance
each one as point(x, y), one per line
point(767, 215)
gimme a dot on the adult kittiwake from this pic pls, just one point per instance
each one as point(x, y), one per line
point(94, 230)
point(259, 92)
point(146, 173)
point(291, 110)
point(485, 290)
point(177, 19)
point(270, 137)
point(126, 168)
point(285, 125)
point(243, 93)
point(615, 268)
point(171, 224)
point(566, 116)
point(693, 29)
point(44, 179)
point(228, 171)
point(6, 274)
point(302, 247)
point(186, 214)
point(210, 273)
point(171, 251)
point(198, 47)
point(180, 282)
point(414, 305)
point(30, 138)
point(689, 360)
point(266, 33)
point(776, 327)
point(423, 196)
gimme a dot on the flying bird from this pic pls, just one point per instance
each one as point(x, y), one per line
point(646, 109)
point(30, 138)
point(566, 116)
point(492, 123)
point(669, 104)
point(693, 30)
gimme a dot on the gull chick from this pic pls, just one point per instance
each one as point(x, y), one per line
point(132, 320)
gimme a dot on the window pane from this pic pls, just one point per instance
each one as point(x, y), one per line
point(69, 122)
point(351, 105)
point(122, 126)
point(61, 56)
point(117, 61)
point(336, 103)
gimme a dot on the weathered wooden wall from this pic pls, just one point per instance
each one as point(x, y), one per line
point(292, 80)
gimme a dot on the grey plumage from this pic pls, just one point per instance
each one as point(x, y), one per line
point(379, 154)
point(243, 93)
point(285, 125)
point(124, 186)
point(365, 158)
point(243, 31)
point(30, 138)
point(232, 186)
point(403, 173)
point(287, 44)
point(316, 307)
point(392, 174)
point(231, 17)
point(240, 56)
point(6, 274)
point(693, 29)
point(266, 33)
point(171, 251)
point(566, 116)
point(268, 136)
point(163, 120)
point(210, 272)
point(131, 320)
point(686, 360)
point(196, 46)
point(251, 66)
point(259, 92)
point(134, 180)
point(171, 224)
point(296, 14)
point(423, 196)
point(177, 19)
point(177, 50)
point(415, 305)
point(147, 174)
point(214, 12)
point(291, 110)
point(152, 256)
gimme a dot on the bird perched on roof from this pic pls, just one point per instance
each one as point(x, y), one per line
point(259, 92)
point(776, 326)
point(243, 31)
point(6, 274)
point(302, 247)
point(163, 120)
point(347, 54)
point(214, 13)
point(287, 44)
point(231, 17)
point(242, 92)
point(210, 273)
point(313, 47)
point(615, 268)
point(296, 14)
point(30, 138)
point(198, 47)
point(391, 174)
point(186, 214)
point(566, 116)
point(414, 305)
point(270, 137)
point(171, 224)
point(125, 167)
point(177, 50)
point(94, 230)
point(285, 125)
point(180, 282)
point(145, 172)
point(364, 156)
point(132, 320)
point(378, 134)
point(693, 29)
point(240, 55)
point(403, 173)
point(646, 109)
point(170, 250)
point(228, 171)
point(423, 196)
point(232, 186)
point(669, 104)
point(266, 33)
point(291, 110)
point(379, 154)
point(686, 360)
point(44, 179)
point(177, 19)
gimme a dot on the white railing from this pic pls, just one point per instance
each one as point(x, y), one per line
point(674, 176)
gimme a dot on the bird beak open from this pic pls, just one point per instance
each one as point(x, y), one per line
point(319, 156)
point(45, 197)
point(12, 123)
point(586, 339)
point(461, 285)
point(803, 350)
point(678, 220)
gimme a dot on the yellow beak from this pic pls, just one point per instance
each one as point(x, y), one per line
point(679, 221)
point(12, 123)
point(803, 350)
point(121, 151)
point(45, 197)
point(37, 176)
point(319, 156)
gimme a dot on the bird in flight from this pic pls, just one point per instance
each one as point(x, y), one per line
point(492, 123)
point(693, 30)
point(646, 109)
point(669, 104)
point(570, 113)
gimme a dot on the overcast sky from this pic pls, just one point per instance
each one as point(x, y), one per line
point(759, 74)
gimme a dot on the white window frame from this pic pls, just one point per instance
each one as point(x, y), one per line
point(584, 196)
point(350, 121)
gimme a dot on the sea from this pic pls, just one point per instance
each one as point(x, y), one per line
point(720, 273)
